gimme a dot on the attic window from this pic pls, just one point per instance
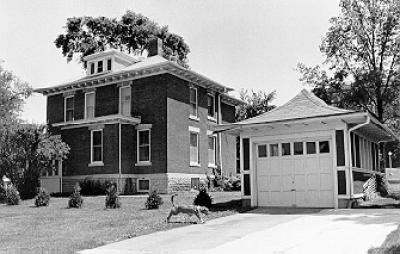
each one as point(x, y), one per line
point(109, 64)
point(100, 66)
point(91, 68)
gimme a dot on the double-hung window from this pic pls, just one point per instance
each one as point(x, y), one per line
point(100, 66)
point(211, 151)
point(193, 102)
point(96, 146)
point(109, 66)
point(194, 146)
point(69, 108)
point(211, 106)
point(125, 100)
point(91, 68)
point(143, 146)
point(89, 105)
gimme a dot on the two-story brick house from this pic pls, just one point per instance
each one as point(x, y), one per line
point(145, 124)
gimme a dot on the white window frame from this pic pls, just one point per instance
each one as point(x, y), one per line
point(94, 105)
point(65, 107)
point(106, 64)
point(138, 185)
point(96, 163)
point(194, 117)
point(120, 99)
point(90, 68)
point(196, 131)
point(212, 164)
point(138, 161)
point(97, 65)
point(212, 118)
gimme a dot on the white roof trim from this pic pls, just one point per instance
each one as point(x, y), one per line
point(98, 120)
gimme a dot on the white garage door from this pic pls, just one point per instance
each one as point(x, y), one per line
point(295, 173)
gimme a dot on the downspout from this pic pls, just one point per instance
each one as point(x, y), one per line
point(119, 157)
point(219, 120)
point(368, 120)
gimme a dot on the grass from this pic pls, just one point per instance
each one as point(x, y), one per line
point(29, 229)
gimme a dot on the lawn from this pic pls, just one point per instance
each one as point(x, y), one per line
point(28, 229)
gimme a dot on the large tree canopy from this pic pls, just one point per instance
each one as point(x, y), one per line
point(130, 33)
point(257, 103)
point(362, 50)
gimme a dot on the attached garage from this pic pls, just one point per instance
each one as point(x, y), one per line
point(305, 154)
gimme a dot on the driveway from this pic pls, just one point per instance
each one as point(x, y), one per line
point(270, 231)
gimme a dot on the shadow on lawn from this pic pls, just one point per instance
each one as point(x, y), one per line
point(232, 205)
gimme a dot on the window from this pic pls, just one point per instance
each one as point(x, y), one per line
point(99, 66)
point(324, 147)
point(143, 185)
point(285, 149)
point(69, 108)
point(311, 148)
point(109, 67)
point(97, 146)
point(211, 105)
point(274, 150)
point(193, 102)
point(298, 148)
point(262, 151)
point(89, 105)
point(194, 183)
point(125, 100)
point(91, 68)
point(194, 148)
point(144, 146)
point(211, 151)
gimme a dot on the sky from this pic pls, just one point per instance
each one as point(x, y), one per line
point(241, 44)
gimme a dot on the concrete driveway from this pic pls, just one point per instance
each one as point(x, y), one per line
point(270, 231)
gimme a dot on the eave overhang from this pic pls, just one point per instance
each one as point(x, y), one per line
point(129, 75)
point(378, 131)
point(110, 119)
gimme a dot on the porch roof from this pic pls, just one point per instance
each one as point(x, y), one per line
point(110, 119)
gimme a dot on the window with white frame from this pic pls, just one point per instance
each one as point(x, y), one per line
point(211, 105)
point(69, 108)
point(143, 146)
point(89, 105)
point(96, 146)
point(125, 100)
point(109, 64)
point(193, 102)
point(194, 148)
point(211, 151)
point(92, 68)
point(100, 66)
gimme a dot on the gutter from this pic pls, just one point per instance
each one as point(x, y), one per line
point(368, 120)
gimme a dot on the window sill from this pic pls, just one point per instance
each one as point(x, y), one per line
point(194, 164)
point(195, 118)
point(96, 164)
point(212, 165)
point(212, 119)
point(143, 163)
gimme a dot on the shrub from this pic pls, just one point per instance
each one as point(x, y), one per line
point(12, 195)
point(75, 200)
point(231, 184)
point(112, 199)
point(42, 198)
point(154, 201)
point(203, 198)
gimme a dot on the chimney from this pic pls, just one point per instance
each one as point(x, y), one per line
point(154, 47)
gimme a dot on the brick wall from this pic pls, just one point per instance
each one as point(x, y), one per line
point(55, 108)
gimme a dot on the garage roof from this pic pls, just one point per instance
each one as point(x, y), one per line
point(306, 107)
point(303, 105)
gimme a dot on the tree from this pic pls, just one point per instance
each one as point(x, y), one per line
point(25, 149)
point(362, 50)
point(130, 33)
point(256, 103)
